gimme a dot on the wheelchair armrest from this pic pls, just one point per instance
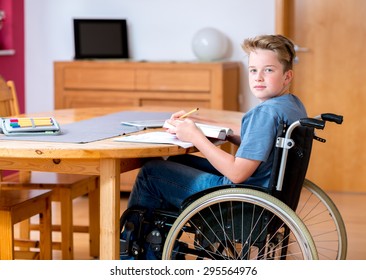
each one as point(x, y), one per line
point(338, 119)
point(310, 122)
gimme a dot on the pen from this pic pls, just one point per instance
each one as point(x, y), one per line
point(189, 113)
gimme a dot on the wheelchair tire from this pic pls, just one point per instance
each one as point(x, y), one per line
point(323, 220)
point(212, 228)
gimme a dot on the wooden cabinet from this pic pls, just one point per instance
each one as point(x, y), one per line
point(212, 85)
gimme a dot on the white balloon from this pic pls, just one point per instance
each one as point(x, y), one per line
point(209, 44)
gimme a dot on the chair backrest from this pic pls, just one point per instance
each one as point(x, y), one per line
point(9, 105)
point(296, 166)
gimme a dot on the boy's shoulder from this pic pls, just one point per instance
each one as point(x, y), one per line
point(278, 106)
point(288, 97)
point(280, 101)
point(276, 101)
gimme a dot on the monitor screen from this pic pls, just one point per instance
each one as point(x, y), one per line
point(100, 38)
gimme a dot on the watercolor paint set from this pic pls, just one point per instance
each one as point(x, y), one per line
point(30, 126)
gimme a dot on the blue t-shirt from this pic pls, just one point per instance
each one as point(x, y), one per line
point(259, 130)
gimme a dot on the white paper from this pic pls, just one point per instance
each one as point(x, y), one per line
point(158, 137)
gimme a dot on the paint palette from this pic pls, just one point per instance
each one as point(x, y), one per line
point(30, 126)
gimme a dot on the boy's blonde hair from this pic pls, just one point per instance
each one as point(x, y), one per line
point(281, 45)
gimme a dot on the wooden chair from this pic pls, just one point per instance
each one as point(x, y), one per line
point(66, 187)
point(19, 205)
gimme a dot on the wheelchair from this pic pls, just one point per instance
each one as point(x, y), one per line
point(292, 219)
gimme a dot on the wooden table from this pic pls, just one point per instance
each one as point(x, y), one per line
point(106, 158)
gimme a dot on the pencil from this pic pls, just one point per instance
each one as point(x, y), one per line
point(189, 113)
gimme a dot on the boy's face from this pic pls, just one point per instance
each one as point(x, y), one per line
point(266, 77)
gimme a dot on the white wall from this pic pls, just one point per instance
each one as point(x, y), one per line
point(158, 30)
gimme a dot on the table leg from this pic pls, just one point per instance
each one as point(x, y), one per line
point(7, 236)
point(109, 208)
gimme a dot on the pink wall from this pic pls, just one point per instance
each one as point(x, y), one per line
point(12, 37)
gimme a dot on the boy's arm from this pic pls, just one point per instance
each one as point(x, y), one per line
point(236, 169)
point(234, 139)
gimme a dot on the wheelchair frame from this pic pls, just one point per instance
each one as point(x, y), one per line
point(198, 232)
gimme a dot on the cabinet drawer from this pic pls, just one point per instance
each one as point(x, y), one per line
point(176, 103)
point(92, 98)
point(99, 78)
point(173, 80)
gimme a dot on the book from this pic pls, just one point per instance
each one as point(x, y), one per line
point(210, 131)
point(30, 126)
point(216, 134)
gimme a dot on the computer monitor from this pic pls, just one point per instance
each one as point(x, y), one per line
point(100, 38)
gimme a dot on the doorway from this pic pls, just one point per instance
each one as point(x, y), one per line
point(330, 76)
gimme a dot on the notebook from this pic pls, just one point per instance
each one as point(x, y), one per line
point(211, 131)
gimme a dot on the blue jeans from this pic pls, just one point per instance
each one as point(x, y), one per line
point(166, 183)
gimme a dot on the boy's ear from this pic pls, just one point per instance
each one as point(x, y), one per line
point(289, 75)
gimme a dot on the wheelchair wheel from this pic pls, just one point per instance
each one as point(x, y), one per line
point(238, 223)
point(323, 220)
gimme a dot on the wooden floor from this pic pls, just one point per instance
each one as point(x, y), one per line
point(351, 205)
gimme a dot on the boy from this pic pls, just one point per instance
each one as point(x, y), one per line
point(166, 183)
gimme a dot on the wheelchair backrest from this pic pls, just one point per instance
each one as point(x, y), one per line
point(296, 165)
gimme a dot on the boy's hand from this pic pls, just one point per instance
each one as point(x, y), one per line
point(186, 130)
point(177, 115)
